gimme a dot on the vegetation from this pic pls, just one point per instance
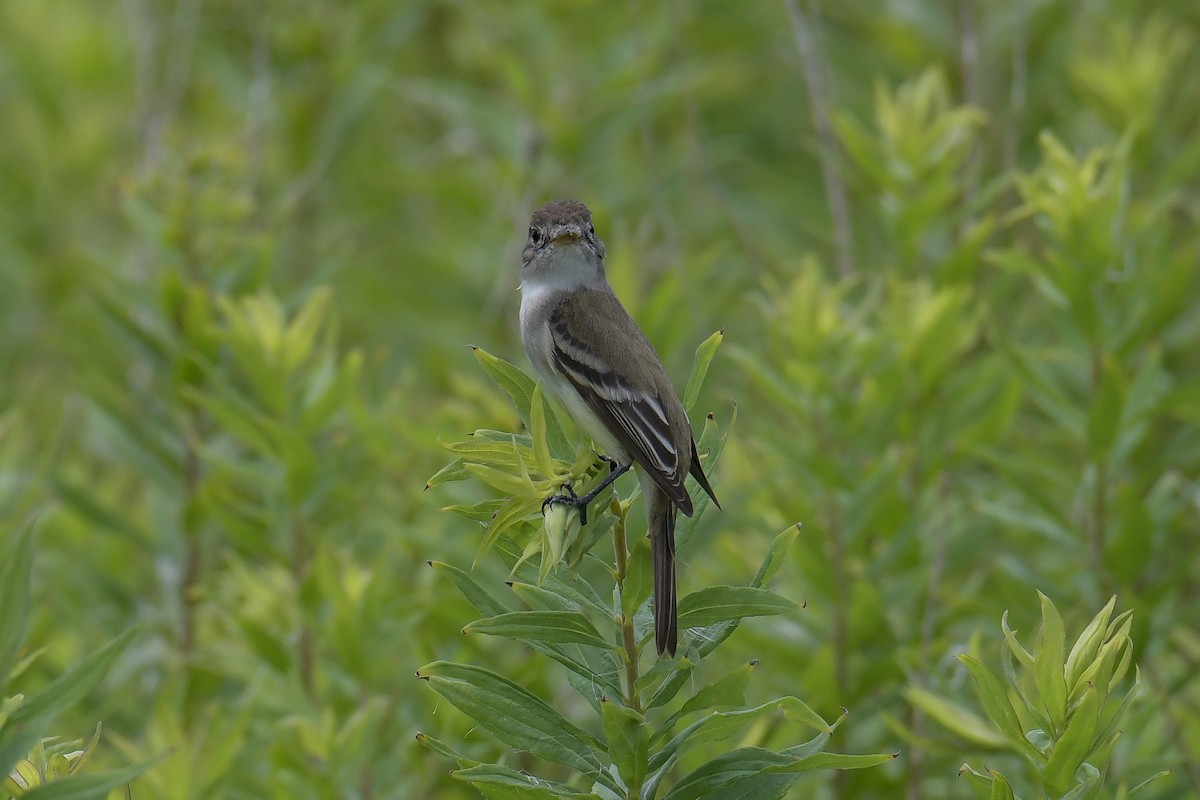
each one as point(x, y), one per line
point(246, 250)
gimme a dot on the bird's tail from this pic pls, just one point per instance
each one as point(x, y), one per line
point(661, 513)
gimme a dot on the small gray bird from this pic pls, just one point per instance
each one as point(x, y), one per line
point(590, 354)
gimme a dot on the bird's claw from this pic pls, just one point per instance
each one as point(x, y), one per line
point(568, 499)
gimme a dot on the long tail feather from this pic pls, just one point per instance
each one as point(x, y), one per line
point(662, 547)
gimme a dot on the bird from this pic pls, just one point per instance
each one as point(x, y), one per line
point(590, 355)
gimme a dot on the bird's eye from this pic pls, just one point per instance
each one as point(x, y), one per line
point(535, 236)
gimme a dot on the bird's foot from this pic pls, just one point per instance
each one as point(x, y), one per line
point(569, 499)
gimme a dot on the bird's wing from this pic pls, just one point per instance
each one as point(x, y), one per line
point(629, 392)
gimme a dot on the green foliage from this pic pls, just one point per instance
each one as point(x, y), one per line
point(1052, 708)
point(38, 765)
point(598, 642)
point(245, 248)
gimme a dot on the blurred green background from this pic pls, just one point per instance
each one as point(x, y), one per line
point(244, 248)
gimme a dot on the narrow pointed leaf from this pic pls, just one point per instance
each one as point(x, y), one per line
point(835, 761)
point(537, 429)
point(956, 719)
point(516, 716)
point(639, 578)
point(513, 381)
point(1073, 746)
point(997, 706)
point(483, 600)
point(542, 626)
point(456, 470)
point(1088, 645)
point(16, 565)
point(1015, 646)
point(502, 783)
point(776, 555)
point(93, 786)
point(704, 357)
point(442, 749)
point(719, 603)
point(1000, 788)
point(1141, 787)
point(1050, 662)
point(69, 689)
point(625, 732)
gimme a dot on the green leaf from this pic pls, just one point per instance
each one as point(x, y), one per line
point(256, 429)
point(575, 592)
point(729, 690)
point(507, 454)
point(520, 387)
point(456, 470)
point(483, 601)
point(15, 744)
point(625, 732)
point(1086, 785)
point(517, 510)
point(1073, 746)
point(16, 564)
point(1111, 729)
point(704, 357)
point(83, 502)
point(501, 783)
point(776, 554)
point(483, 511)
point(70, 689)
point(595, 673)
point(505, 482)
point(709, 447)
point(1014, 646)
point(537, 429)
point(715, 635)
point(835, 761)
point(516, 383)
point(719, 603)
point(639, 578)
point(1050, 663)
point(1141, 787)
point(1000, 788)
point(997, 706)
point(542, 626)
point(1098, 672)
point(720, 725)
point(441, 748)
point(955, 718)
point(93, 786)
point(516, 716)
point(716, 777)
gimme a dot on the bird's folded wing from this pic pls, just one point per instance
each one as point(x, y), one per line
point(634, 414)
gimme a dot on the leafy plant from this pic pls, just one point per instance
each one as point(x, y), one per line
point(641, 732)
point(37, 766)
point(1052, 707)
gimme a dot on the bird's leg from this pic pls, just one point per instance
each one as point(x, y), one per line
point(581, 501)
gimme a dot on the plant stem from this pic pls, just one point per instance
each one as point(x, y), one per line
point(818, 81)
point(628, 634)
point(300, 559)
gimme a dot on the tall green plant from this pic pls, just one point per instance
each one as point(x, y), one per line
point(640, 731)
point(1061, 711)
point(36, 765)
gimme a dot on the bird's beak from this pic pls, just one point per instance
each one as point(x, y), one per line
point(570, 234)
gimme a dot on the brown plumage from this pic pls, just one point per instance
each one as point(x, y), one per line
point(590, 353)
